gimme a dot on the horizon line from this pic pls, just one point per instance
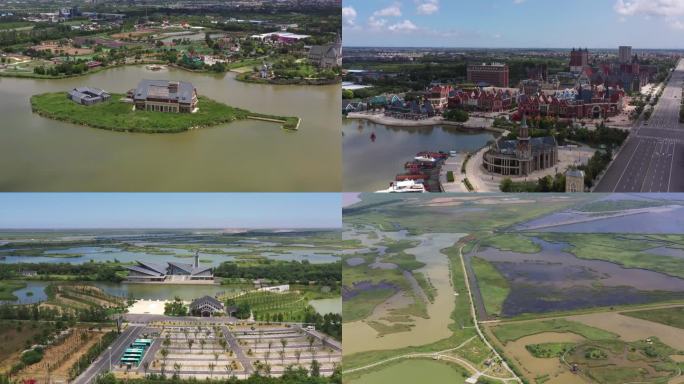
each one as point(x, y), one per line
point(484, 47)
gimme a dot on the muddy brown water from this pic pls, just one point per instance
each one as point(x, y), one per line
point(360, 337)
point(39, 154)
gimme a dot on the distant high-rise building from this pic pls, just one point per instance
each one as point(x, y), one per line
point(625, 54)
point(579, 58)
point(494, 74)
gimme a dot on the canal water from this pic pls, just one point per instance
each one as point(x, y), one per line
point(370, 165)
point(39, 154)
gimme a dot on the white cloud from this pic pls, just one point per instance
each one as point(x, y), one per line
point(666, 8)
point(393, 10)
point(518, 1)
point(404, 26)
point(670, 10)
point(427, 7)
point(349, 16)
point(376, 23)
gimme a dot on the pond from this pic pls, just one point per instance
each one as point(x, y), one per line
point(34, 292)
point(554, 280)
point(39, 154)
point(370, 165)
point(324, 306)
point(412, 371)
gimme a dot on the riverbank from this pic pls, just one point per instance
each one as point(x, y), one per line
point(116, 115)
point(248, 77)
point(474, 123)
point(33, 75)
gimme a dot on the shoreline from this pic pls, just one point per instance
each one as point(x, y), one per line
point(427, 123)
point(40, 105)
point(245, 77)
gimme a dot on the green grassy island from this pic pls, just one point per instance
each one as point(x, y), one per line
point(119, 116)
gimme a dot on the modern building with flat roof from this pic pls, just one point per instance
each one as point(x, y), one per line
point(494, 74)
point(165, 96)
point(88, 95)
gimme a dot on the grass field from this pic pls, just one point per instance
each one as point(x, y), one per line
point(493, 286)
point(511, 242)
point(673, 317)
point(609, 362)
point(16, 336)
point(548, 350)
point(117, 116)
point(515, 331)
point(628, 251)
point(361, 306)
point(7, 287)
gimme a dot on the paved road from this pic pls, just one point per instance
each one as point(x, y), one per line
point(235, 346)
point(102, 363)
point(652, 158)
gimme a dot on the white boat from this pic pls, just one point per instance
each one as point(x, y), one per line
point(406, 186)
point(425, 159)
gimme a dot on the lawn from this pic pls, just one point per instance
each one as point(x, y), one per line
point(511, 242)
point(361, 306)
point(118, 116)
point(673, 317)
point(628, 251)
point(7, 287)
point(493, 286)
point(515, 331)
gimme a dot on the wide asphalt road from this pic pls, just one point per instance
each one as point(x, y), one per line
point(102, 363)
point(652, 158)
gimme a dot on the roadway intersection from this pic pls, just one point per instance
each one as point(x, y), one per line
point(652, 158)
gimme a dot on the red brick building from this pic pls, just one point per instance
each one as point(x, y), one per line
point(494, 74)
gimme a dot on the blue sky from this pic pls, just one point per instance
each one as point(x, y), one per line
point(170, 210)
point(514, 23)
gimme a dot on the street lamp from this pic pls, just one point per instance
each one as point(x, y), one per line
point(110, 358)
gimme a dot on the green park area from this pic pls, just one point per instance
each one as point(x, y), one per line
point(514, 331)
point(493, 286)
point(7, 287)
point(673, 317)
point(119, 116)
point(630, 251)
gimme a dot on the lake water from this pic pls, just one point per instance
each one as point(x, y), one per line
point(371, 165)
point(660, 220)
point(37, 290)
point(39, 154)
point(553, 280)
point(324, 306)
point(104, 254)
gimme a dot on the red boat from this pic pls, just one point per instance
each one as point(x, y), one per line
point(417, 176)
point(436, 155)
point(418, 165)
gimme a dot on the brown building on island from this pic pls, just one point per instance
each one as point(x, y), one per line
point(165, 96)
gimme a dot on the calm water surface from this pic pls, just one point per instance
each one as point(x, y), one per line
point(39, 154)
point(371, 165)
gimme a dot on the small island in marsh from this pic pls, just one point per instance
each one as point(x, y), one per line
point(155, 106)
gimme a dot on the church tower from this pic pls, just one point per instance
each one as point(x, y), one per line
point(523, 150)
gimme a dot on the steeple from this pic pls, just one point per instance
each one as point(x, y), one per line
point(524, 132)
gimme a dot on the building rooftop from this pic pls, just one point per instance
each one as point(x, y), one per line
point(163, 89)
